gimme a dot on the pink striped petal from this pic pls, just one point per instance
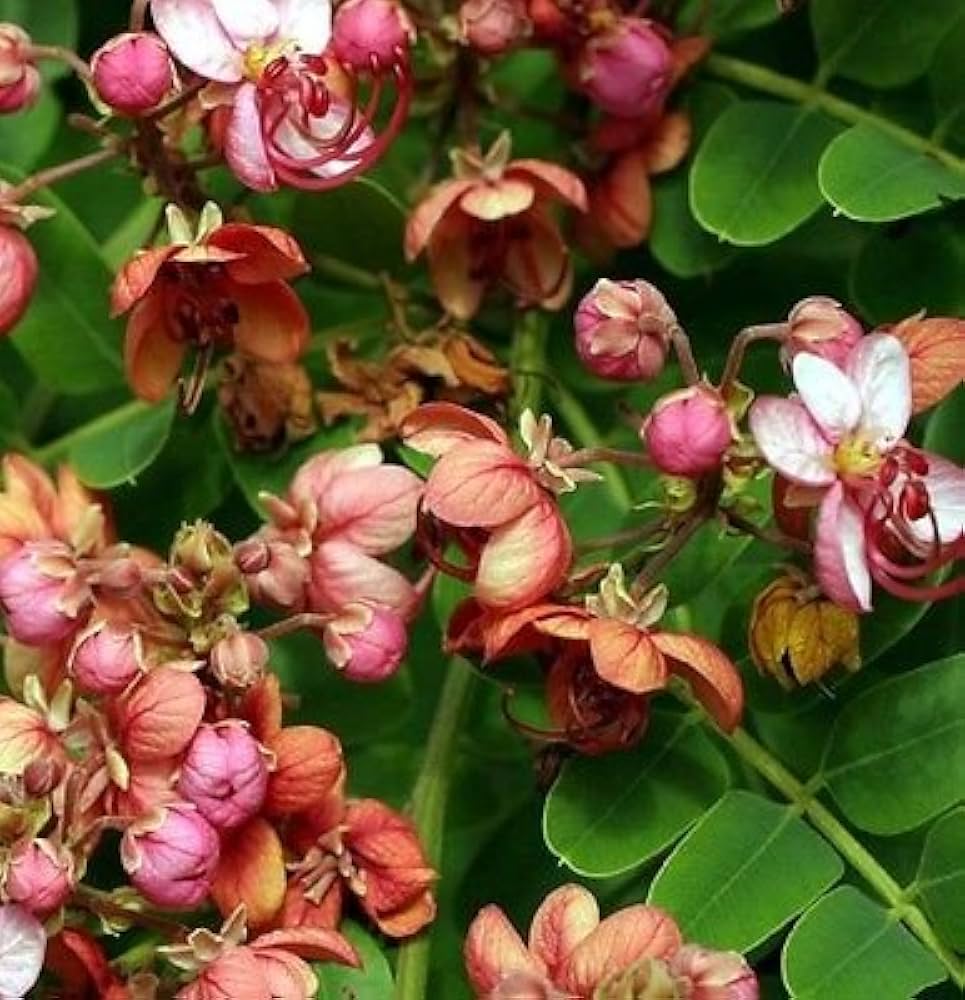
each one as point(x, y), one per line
point(494, 951)
point(791, 441)
point(563, 920)
point(840, 555)
point(342, 574)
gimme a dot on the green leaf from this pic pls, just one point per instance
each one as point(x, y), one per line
point(373, 981)
point(848, 948)
point(50, 22)
point(754, 177)
point(947, 74)
point(114, 448)
point(726, 18)
point(25, 137)
point(134, 232)
point(876, 41)
point(66, 336)
point(868, 176)
point(896, 756)
point(607, 815)
point(940, 881)
point(726, 882)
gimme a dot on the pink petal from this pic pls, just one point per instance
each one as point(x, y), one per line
point(341, 574)
point(196, 37)
point(457, 281)
point(434, 428)
point(791, 441)
point(525, 559)
point(840, 557)
point(429, 213)
point(563, 920)
point(497, 200)
point(480, 484)
point(829, 395)
point(494, 950)
point(316, 475)
point(881, 370)
point(23, 943)
point(625, 937)
point(245, 142)
point(945, 482)
point(554, 180)
point(307, 23)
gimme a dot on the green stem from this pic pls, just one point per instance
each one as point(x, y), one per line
point(767, 81)
point(346, 274)
point(59, 448)
point(847, 845)
point(528, 362)
point(581, 427)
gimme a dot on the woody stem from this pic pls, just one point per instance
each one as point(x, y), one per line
point(102, 905)
point(63, 55)
point(738, 348)
point(685, 355)
point(296, 623)
point(44, 178)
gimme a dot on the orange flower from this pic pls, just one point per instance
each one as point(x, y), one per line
point(222, 287)
point(491, 225)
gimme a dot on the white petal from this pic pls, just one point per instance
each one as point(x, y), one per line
point(245, 142)
point(840, 555)
point(307, 23)
point(247, 21)
point(791, 441)
point(194, 34)
point(881, 371)
point(829, 395)
point(22, 947)
point(946, 491)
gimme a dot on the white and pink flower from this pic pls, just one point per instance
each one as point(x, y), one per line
point(888, 513)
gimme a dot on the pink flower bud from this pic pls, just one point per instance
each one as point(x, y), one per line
point(688, 431)
point(106, 658)
point(492, 27)
point(818, 325)
point(18, 276)
point(132, 72)
point(371, 34)
point(19, 79)
point(623, 330)
point(274, 572)
point(626, 70)
point(239, 660)
point(225, 774)
point(171, 856)
point(35, 596)
point(366, 641)
point(42, 776)
point(39, 875)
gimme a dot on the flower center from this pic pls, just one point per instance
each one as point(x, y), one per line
point(259, 57)
point(857, 456)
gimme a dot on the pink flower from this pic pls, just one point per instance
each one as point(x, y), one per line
point(171, 856)
point(840, 441)
point(623, 330)
point(39, 875)
point(493, 27)
point(371, 29)
point(18, 275)
point(23, 943)
point(819, 325)
point(367, 642)
point(499, 506)
point(132, 72)
point(715, 975)
point(293, 116)
point(19, 78)
point(275, 572)
point(688, 431)
point(224, 774)
point(106, 658)
point(626, 69)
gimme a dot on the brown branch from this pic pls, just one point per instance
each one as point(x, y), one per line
point(44, 178)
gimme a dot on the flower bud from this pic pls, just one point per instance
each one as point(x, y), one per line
point(371, 34)
point(39, 876)
point(132, 72)
point(36, 594)
point(366, 641)
point(623, 330)
point(493, 27)
point(239, 659)
point(42, 776)
point(688, 431)
point(818, 325)
point(274, 573)
point(19, 79)
point(225, 774)
point(171, 856)
point(106, 658)
point(797, 635)
point(18, 277)
point(626, 70)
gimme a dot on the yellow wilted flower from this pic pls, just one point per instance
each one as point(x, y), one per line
point(797, 635)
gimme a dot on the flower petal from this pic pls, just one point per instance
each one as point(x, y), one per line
point(881, 371)
point(525, 559)
point(791, 441)
point(23, 737)
point(532, 627)
point(709, 672)
point(490, 202)
point(136, 277)
point(342, 574)
point(552, 180)
point(272, 323)
point(563, 920)
point(624, 656)
point(23, 943)
point(434, 428)
point(251, 872)
point(829, 395)
point(307, 23)
point(308, 767)
point(267, 254)
point(945, 482)
point(195, 35)
point(450, 252)
point(316, 943)
point(669, 142)
point(494, 950)
point(537, 266)
point(429, 213)
point(152, 359)
point(244, 142)
point(246, 21)
point(936, 350)
point(840, 554)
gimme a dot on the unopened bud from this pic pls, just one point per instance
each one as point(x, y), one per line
point(133, 72)
point(39, 876)
point(371, 34)
point(106, 658)
point(819, 325)
point(42, 776)
point(239, 660)
point(688, 432)
point(18, 276)
point(19, 79)
point(366, 642)
point(37, 589)
point(276, 575)
point(623, 330)
point(493, 27)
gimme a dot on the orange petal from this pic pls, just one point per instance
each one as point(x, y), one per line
point(408, 919)
point(451, 266)
point(552, 180)
point(159, 717)
point(272, 323)
point(315, 943)
point(429, 213)
point(494, 950)
point(297, 911)
point(710, 673)
point(251, 871)
point(308, 766)
point(936, 348)
point(137, 276)
point(626, 657)
point(563, 920)
point(268, 254)
point(434, 428)
point(152, 359)
point(686, 52)
point(537, 266)
point(23, 737)
point(285, 974)
point(530, 628)
point(669, 142)
point(625, 937)
point(495, 200)
point(621, 202)
point(262, 708)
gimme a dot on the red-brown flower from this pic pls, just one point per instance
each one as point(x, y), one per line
point(492, 225)
point(224, 287)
